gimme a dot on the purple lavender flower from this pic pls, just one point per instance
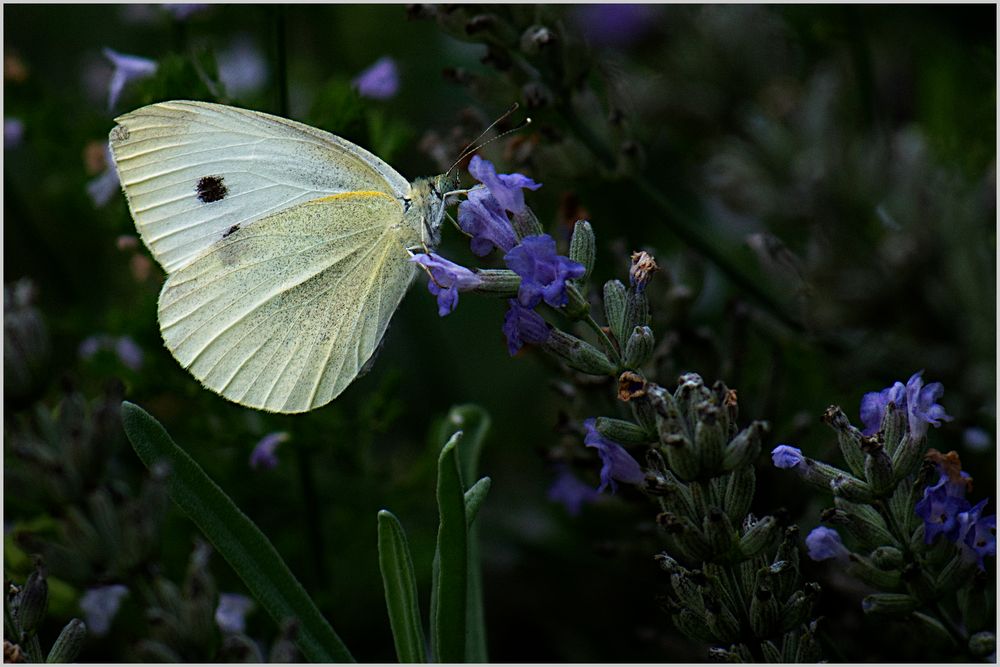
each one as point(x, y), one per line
point(242, 66)
point(618, 464)
point(543, 272)
point(104, 186)
point(506, 188)
point(231, 613)
point(941, 506)
point(786, 456)
point(380, 81)
point(922, 407)
point(824, 543)
point(570, 492)
point(100, 606)
point(127, 68)
point(978, 534)
point(523, 325)
point(482, 216)
point(917, 401)
point(614, 24)
point(447, 280)
point(184, 10)
point(264, 454)
point(13, 132)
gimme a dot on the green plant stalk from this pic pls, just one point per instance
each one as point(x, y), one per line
point(235, 537)
point(448, 614)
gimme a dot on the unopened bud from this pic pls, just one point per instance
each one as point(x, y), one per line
point(758, 536)
point(719, 529)
point(579, 354)
point(983, 644)
point(739, 492)
point(851, 488)
point(581, 247)
point(744, 449)
point(866, 571)
point(614, 309)
point(848, 437)
point(893, 604)
point(887, 558)
point(69, 642)
point(622, 431)
point(878, 466)
point(765, 611)
point(525, 223)
point(639, 348)
point(33, 602)
point(709, 439)
point(536, 38)
point(498, 282)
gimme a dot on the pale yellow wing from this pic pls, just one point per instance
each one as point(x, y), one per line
point(192, 170)
point(283, 314)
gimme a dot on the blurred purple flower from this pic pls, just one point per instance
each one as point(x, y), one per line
point(264, 453)
point(184, 10)
point(231, 613)
point(786, 456)
point(978, 534)
point(543, 272)
point(523, 325)
point(242, 66)
point(618, 464)
point(126, 68)
point(482, 216)
point(614, 24)
point(125, 348)
point(570, 492)
point(824, 543)
point(13, 132)
point(447, 279)
point(941, 506)
point(977, 439)
point(106, 184)
point(505, 188)
point(918, 402)
point(100, 606)
point(380, 81)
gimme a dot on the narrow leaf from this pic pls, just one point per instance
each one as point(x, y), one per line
point(474, 498)
point(451, 580)
point(474, 422)
point(235, 536)
point(400, 583)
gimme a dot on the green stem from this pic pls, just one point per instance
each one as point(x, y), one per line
point(608, 345)
point(956, 633)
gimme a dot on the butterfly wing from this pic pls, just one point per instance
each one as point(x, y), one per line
point(282, 315)
point(192, 171)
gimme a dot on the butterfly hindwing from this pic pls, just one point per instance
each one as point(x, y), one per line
point(191, 171)
point(281, 315)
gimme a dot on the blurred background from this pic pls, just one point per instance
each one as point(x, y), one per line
point(817, 184)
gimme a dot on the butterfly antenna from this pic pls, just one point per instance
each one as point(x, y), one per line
point(472, 147)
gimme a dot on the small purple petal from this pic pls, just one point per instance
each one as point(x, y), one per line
point(482, 216)
point(824, 543)
point(242, 66)
point(380, 81)
point(129, 353)
point(618, 464)
point(506, 188)
point(127, 68)
point(100, 606)
point(543, 272)
point(786, 456)
point(523, 325)
point(264, 454)
point(921, 405)
point(447, 280)
point(614, 24)
point(231, 613)
point(940, 509)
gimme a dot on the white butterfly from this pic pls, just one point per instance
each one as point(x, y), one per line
point(285, 247)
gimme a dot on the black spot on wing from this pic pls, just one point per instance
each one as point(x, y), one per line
point(230, 231)
point(211, 188)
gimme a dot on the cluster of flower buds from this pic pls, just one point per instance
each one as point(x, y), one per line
point(903, 509)
point(24, 610)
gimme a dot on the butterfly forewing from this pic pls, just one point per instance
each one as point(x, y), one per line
point(281, 315)
point(194, 172)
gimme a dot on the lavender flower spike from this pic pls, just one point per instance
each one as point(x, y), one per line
point(824, 543)
point(447, 280)
point(543, 272)
point(618, 464)
point(506, 188)
point(523, 325)
point(482, 216)
point(380, 81)
point(127, 68)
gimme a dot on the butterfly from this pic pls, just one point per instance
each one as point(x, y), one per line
point(286, 248)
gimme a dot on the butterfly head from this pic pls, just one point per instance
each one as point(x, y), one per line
point(428, 202)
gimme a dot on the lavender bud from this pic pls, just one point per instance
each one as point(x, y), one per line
point(907, 457)
point(758, 536)
point(614, 308)
point(639, 348)
point(848, 437)
point(887, 558)
point(878, 467)
point(894, 427)
point(501, 282)
point(770, 651)
point(623, 431)
point(866, 571)
point(636, 310)
point(69, 642)
point(681, 456)
point(765, 611)
point(578, 354)
point(799, 607)
point(721, 535)
point(956, 573)
point(745, 447)
point(693, 625)
point(709, 439)
point(983, 644)
point(723, 624)
point(33, 602)
point(894, 604)
point(581, 247)
point(739, 492)
point(526, 223)
point(852, 489)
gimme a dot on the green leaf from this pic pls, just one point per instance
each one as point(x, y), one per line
point(400, 584)
point(235, 536)
point(474, 422)
point(450, 576)
point(474, 498)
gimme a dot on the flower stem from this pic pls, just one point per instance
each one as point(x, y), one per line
point(608, 345)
